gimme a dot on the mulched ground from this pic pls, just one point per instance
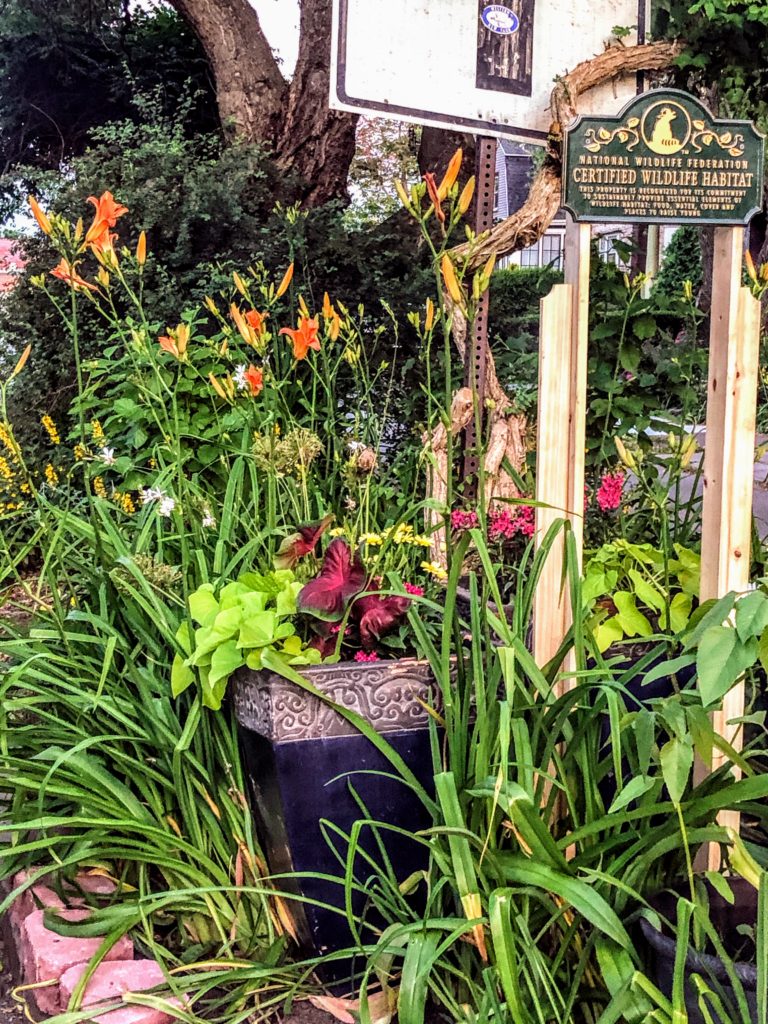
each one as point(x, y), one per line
point(10, 1011)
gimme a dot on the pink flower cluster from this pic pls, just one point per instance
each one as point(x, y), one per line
point(511, 521)
point(411, 588)
point(461, 519)
point(609, 492)
point(362, 656)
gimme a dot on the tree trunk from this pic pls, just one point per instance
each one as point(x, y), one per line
point(250, 89)
point(257, 104)
point(317, 143)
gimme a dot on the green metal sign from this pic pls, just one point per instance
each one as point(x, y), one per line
point(663, 159)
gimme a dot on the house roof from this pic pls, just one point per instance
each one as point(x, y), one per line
point(12, 263)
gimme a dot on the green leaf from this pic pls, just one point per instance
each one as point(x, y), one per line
point(646, 591)
point(679, 613)
point(203, 606)
point(721, 660)
point(181, 676)
point(676, 763)
point(751, 615)
point(720, 884)
point(633, 790)
point(632, 621)
point(226, 659)
point(644, 727)
point(644, 327)
point(762, 649)
point(582, 897)
point(607, 633)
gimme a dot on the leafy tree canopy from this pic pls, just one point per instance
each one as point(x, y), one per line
point(70, 66)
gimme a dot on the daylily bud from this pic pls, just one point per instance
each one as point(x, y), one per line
point(465, 199)
point(451, 174)
point(217, 386)
point(303, 309)
point(42, 219)
point(451, 281)
point(750, 266)
point(688, 291)
point(403, 196)
point(210, 305)
point(282, 288)
point(429, 319)
point(239, 284)
point(22, 362)
point(79, 228)
point(687, 450)
point(103, 277)
point(141, 249)
point(626, 457)
point(742, 861)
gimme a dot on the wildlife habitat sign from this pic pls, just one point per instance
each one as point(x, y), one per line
point(664, 158)
point(486, 67)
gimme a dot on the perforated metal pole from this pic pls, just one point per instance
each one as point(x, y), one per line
point(477, 347)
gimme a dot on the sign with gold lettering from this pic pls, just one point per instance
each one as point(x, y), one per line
point(663, 159)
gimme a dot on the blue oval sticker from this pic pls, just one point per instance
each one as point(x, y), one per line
point(500, 20)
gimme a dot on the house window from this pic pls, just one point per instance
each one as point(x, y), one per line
point(607, 250)
point(552, 251)
point(547, 252)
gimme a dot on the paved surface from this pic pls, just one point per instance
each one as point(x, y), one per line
point(760, 493)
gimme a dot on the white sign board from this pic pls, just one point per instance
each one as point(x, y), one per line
point(488, 68)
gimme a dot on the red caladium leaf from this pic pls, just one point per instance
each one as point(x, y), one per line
point(342, 576)
point(377, 615)
point(301, 543)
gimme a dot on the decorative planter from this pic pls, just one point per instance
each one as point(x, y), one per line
point(300, 756)
point(726, 918)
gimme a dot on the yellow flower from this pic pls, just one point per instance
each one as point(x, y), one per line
point(99, 437)
point(51, 475)
point(435, 570)
point(127, 504)
point(421, 542)
point(80, 452)
point(337, 531)
point(372, 539)
point(98, 487)
point(7, 441)
point(50, 429)
point(5, 470)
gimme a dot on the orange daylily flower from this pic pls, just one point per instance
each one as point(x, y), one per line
point(43, 222)
point(256, 320)
point(107, 213)
point(255, 377)
point(434, 198)
point(304, 337)
point(175, 341)
point(65, 271)
point(329, 313)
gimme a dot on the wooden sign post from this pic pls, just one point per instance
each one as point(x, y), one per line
point(663, 159)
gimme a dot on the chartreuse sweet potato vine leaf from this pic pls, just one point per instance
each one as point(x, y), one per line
point(234, 626)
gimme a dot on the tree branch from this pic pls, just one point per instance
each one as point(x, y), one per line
point(533, 218)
